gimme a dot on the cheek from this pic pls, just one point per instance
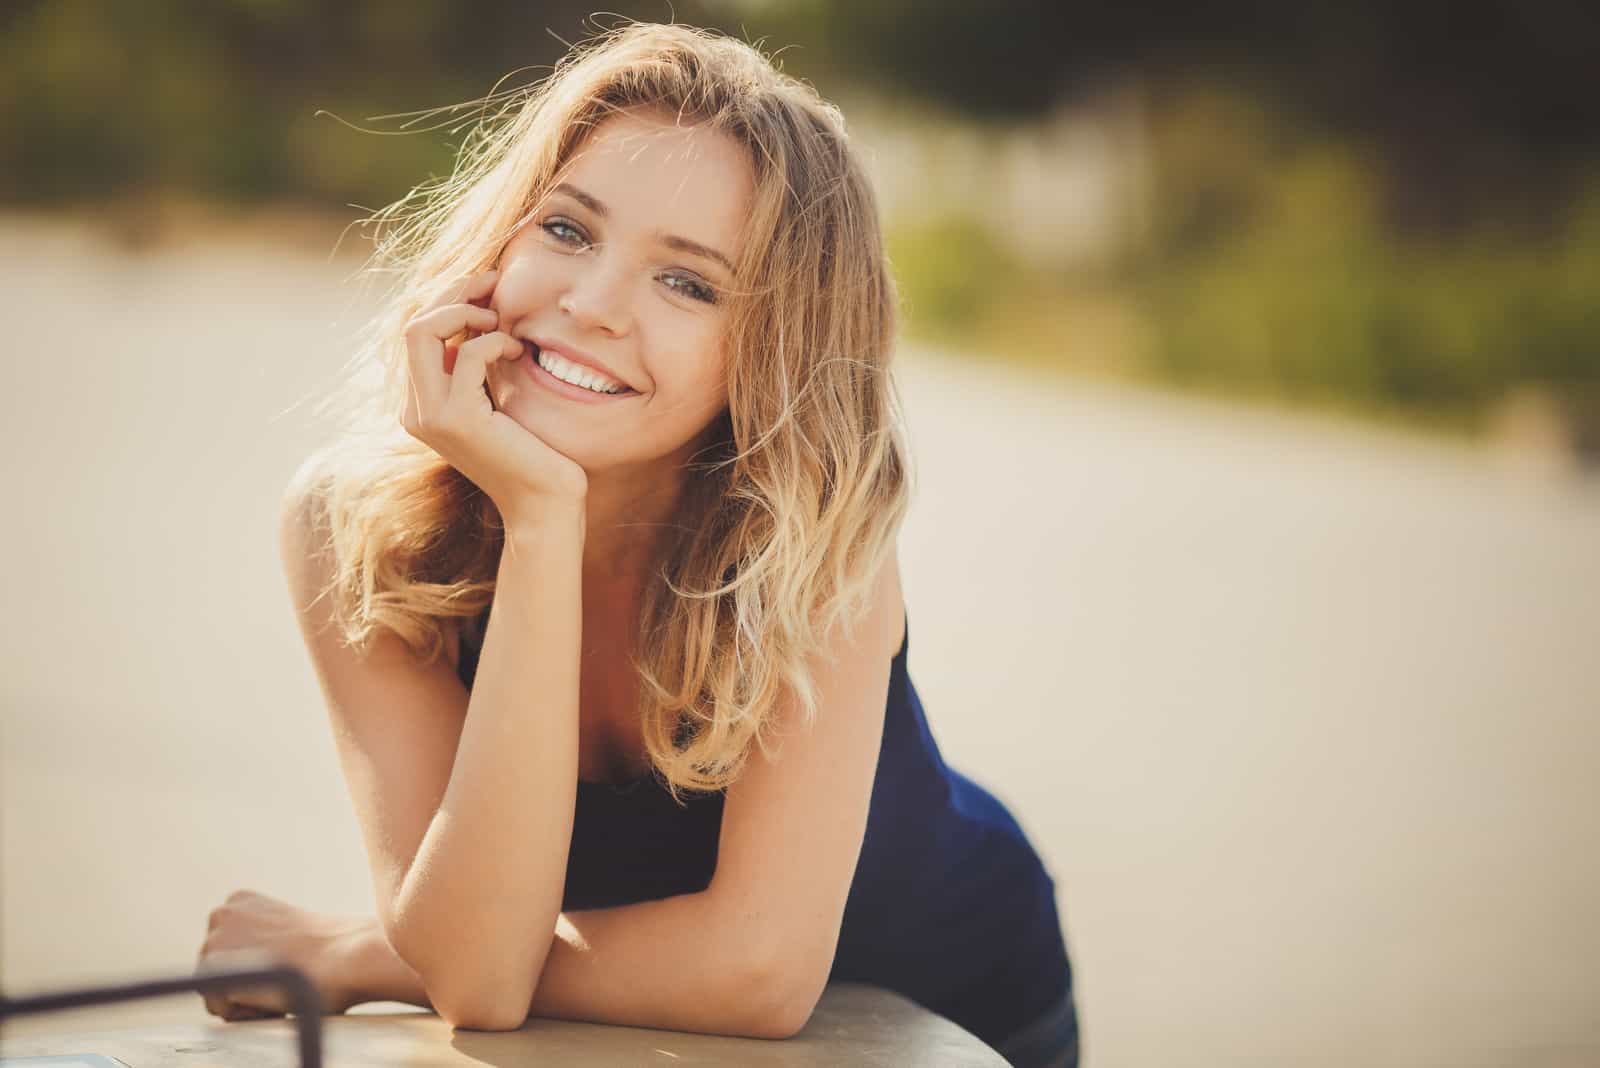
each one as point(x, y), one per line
point(526, 257)
point(689, 397)
point(524, 280)
point(684, 358)
point(709, 380)
point(711, 348)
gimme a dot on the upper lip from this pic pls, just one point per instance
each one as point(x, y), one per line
point(578, 356)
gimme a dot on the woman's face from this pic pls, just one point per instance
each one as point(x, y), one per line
point(623, 270)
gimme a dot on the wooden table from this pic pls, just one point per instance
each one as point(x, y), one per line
point(853, 1025)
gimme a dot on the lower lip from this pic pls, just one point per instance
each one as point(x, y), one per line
point(567, 389)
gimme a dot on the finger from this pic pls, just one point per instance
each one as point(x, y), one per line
point(237, 1012)
point(427, 334)
point(472, 289)
point(452, 319)
point(472, 360)
point(428, 373)
point(216, 1004)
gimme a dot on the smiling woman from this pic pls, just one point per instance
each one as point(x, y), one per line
point(610, 625)
point(607, 298)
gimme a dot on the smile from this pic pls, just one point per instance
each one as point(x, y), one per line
point(567, 379)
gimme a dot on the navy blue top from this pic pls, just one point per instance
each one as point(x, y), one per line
point(950, 905)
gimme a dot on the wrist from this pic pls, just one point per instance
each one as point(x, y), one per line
point(344, 961)
point(538, 520)
point(363, 967)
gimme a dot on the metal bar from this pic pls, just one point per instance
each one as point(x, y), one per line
point(304, 1001)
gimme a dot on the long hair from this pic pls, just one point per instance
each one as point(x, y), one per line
point(793, 507)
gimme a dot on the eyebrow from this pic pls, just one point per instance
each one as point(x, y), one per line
point(672, 241)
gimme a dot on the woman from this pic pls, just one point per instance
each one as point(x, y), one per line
point(610, 626)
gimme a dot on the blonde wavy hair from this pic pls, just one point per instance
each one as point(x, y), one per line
point(794, 506)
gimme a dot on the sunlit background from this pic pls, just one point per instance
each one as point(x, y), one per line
point(1252, 365)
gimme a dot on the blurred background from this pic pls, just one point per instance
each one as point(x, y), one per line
point(1255, 348)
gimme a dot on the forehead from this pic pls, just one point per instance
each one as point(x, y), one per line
point(655, 176)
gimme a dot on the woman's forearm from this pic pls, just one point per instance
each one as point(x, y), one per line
point(475, 913)
point(622, 965)
point(676, 963)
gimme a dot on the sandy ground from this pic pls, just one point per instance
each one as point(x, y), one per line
point(1304, 718)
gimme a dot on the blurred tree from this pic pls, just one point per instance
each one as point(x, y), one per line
point(1474, 105)
point(1484, 105)
point(103, 97)
point(1402, 212)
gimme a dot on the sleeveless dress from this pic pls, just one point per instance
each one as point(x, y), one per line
point(949, 906)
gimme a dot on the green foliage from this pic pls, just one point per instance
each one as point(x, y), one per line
point(1309, 296)
point(1270, 263)
point(1267, 269)
point(951, 274)
point(102, 99)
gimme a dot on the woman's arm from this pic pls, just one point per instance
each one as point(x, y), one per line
point(679, 963)
point(651, 964)
point(749, 955)
point(474, 912)
point(464, 801)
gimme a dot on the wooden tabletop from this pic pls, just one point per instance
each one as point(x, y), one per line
point(853, 1025)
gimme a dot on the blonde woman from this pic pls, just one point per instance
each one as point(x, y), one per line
point(600, 586)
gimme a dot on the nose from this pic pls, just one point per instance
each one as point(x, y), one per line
point(597, 296)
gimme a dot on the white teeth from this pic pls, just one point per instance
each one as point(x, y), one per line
point(568, 371)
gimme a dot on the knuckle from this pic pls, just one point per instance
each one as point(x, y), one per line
point(493, 342)
point(422, 327)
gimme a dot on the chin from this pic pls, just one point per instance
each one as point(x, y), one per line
point(583, 445)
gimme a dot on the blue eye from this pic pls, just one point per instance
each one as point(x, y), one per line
point(561, 224)
point(691, 288)
point(570, 235)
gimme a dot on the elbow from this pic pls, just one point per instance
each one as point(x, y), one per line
point(468, 1004)
point(468, 994)
point(783, 1015)
point(785, 1021)
point(478, 1016)
point(787, 997)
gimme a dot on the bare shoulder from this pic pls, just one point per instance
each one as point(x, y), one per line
point(307, 554)
point(874, 630)
point(396, 719)
point(893, 594)
point(303, 546)
point(884, 613)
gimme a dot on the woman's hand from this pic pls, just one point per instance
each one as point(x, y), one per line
point(448, 407)
point(318, 945)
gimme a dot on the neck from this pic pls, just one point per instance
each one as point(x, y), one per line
point(628, 511)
